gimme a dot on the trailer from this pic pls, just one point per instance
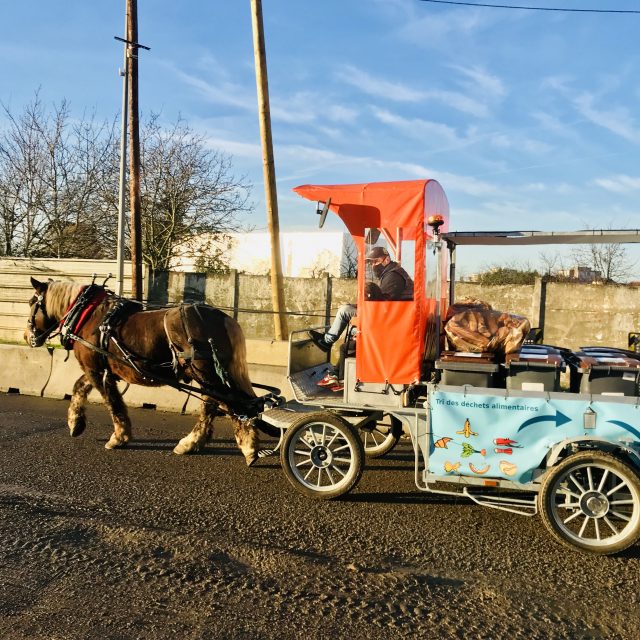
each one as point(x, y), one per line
point(502, 433)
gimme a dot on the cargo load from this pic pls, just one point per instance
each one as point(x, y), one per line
point(474, 326)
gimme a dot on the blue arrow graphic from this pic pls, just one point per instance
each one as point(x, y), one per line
point(559, 419)
point(627, 427)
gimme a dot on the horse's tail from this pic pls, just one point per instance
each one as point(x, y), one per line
point(238, 367)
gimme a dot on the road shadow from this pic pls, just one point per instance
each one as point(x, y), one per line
point(408, 497)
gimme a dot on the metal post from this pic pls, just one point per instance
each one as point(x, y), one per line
point(124, 72)
point(277, 288)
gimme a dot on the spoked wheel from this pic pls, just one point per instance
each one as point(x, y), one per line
point(322, 455)
point(591, 500)
point(380, 437)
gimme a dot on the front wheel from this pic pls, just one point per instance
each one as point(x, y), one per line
point(591, 500)
point(322, 455)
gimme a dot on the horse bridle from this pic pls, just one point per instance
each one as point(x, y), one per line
point(38, 339)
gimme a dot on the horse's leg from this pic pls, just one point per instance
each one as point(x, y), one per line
point(76, 418)
point(247, 439)
point(117, 408)
point(203, 430)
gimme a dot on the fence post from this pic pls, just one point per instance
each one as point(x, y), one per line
point(234, 276)
point(329, 293)
point(539, 302)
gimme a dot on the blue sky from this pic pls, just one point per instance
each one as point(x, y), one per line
point(529, 120)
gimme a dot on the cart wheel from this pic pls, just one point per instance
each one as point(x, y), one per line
point(322, 455)
point(591, 500)
point(378, 438)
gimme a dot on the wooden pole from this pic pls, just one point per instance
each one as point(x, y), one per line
point(134, 153)
point(277, 289)
point(122, 216)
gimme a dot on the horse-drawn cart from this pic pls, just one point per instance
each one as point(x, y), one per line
point(502, 433)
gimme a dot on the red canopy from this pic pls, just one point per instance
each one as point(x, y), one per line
point(392, 333)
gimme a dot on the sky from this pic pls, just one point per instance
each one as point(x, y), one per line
point(529, 120)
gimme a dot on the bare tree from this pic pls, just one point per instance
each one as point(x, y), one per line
point(187, 190)
point(53, 175)
point(610, 260)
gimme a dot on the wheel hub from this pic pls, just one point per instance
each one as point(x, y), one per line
point(594, 504)
point(321, 456)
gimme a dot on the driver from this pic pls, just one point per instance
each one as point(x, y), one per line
point(394, 283)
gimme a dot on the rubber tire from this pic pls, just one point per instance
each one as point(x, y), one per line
point(615, 464)
point(350, 434)
point(389, 442)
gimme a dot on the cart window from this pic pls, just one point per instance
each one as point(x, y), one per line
point(396, 281)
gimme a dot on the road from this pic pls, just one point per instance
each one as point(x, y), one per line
point(141, 543)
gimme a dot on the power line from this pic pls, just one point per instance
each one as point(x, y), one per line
point(524, 8)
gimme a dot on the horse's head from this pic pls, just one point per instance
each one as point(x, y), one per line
point(40, 324)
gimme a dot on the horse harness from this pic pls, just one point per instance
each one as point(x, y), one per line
point(119, 311)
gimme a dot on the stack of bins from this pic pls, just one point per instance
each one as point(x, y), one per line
point(606, 371)
point(535, 367)
point(475, 369)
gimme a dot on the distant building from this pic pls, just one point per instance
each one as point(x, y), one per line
point(580, 274)
point(304, 253)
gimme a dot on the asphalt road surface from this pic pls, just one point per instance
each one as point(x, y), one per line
point(141, 543)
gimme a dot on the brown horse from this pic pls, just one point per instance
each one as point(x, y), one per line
point(115, 339)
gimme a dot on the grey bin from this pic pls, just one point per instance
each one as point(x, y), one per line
point(611, 374)
point(476, 374)
point(534, 369)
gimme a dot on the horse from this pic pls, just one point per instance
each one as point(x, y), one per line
point(114, 339)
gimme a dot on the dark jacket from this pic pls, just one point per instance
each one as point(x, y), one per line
point(395, 283)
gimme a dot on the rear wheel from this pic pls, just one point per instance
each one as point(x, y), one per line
point(591, 500)
point(322, 455)
point(378, 438)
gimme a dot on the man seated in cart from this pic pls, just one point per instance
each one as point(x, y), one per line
point(394, 283)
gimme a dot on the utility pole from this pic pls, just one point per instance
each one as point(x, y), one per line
point(122, 216)
point(271, 197)
point(134, 152)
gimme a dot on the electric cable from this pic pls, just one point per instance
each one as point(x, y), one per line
point(528, 8)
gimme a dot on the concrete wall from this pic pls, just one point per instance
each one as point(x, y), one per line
point(572, 315)
point(16, 290)
point(29, 371)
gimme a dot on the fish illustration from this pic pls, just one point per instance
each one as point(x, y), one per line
point(468, 450)
point(450, 467)
point(466, 430)
point(507, 452)
point(442, 443)
point(507, 442)
point(479, 471)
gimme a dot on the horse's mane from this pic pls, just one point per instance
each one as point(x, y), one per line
point(60, 295)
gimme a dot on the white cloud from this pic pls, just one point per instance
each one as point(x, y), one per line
point(394, 91)
point(619, 184)
point(618, 120)
point(234, 147)
point(435, 28)
point(398, 92)
point(314, 160)
point(488, 84)
point(220, 92)
point(419, 128)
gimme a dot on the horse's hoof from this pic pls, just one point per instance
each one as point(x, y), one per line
point(77, 429)
point(115, 443)
point(181, 449)
point(251, 459)
point(185, 447)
